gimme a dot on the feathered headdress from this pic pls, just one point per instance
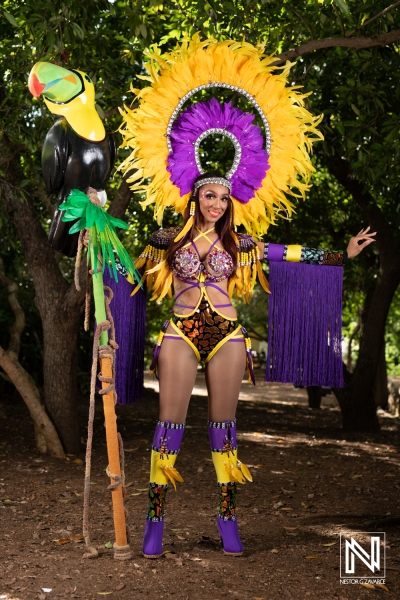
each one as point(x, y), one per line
point(165, 136)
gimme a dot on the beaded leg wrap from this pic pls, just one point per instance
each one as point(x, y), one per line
point(166, 443)
point(229, 472)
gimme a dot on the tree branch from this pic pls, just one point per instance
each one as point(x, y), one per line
point(31, 397)
point(356, 43)
point(121, 201)
point(381, 14)
point(388, 249)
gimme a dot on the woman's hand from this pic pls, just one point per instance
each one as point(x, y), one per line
point(355, 247)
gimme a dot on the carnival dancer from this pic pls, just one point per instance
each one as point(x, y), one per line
point(207, 262)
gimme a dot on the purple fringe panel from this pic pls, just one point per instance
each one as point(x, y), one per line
point(129, 313)
point(305, 325)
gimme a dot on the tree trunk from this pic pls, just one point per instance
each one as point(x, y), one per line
point(60, 306)
point(314, 393)
point(60, 336)
point(381, 383)
point(357, 399)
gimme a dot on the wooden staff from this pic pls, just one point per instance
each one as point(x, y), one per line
point(121, 547)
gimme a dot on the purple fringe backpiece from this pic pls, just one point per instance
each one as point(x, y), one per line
point(305, 325)
point(129, 313)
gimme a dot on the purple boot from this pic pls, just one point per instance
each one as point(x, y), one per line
point(153, 539)
point(223, 444)
point(166, 443)
point(231, 543)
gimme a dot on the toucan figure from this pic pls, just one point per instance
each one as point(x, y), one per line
point(78, 152)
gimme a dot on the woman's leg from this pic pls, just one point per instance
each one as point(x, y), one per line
point(224, 374)
point(177, 368)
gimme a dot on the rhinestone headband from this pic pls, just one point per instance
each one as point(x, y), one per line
point(224, 133)
point(218, 180)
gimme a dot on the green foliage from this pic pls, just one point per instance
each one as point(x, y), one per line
point(358, 92)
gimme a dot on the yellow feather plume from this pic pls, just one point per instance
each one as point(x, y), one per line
point(170, 472)
point(194, 63)
point(245, 470)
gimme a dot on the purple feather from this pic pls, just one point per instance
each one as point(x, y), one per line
point(203, 116)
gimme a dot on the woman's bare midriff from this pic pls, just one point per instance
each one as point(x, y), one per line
point(192, 295)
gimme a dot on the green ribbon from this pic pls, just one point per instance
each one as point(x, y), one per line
point(103, 239)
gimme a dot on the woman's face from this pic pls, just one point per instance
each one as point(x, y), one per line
point(213, 200)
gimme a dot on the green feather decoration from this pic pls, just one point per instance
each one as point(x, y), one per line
point(103, 240)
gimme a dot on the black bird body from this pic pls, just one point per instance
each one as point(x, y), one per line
point(70, 161)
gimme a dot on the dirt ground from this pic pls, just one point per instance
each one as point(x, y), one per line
point(311, 483)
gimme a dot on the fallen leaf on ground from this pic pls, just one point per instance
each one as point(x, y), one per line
point(286, 508)
point(382, 586)
point(331, 544)
point(369, 586)
point(290, 528)
point(277, 472)
point(305, 505)
point(108, 545)
point(120, 586)
point(78, 461)
point(62, 541)
point(104, 593)
point(136, 494)
point(76, 537)
point(274, 551)
point(313, 556)
point(142, 489)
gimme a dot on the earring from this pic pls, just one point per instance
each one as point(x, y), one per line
point(192, 208)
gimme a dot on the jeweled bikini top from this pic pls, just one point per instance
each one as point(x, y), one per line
point(187, 264)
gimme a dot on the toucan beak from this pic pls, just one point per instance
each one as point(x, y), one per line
point(55, 83)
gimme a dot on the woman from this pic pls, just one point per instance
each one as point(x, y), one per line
point(206, 262)
point(204, 328)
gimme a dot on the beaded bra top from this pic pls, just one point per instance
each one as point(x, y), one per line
point(188, 266)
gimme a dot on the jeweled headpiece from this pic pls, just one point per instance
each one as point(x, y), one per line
point(269, 163)
point(208, 180)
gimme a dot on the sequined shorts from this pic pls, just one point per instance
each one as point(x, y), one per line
point(206, 330)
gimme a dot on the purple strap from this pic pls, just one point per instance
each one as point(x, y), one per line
point(193, 285)
point(213, 285)
point(275, 252)
point(212, 246)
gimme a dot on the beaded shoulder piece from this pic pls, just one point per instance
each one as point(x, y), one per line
point(151, 262)
point(248, 269)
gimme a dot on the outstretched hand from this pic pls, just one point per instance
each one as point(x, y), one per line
point(354, 248)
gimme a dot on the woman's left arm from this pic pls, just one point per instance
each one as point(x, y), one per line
point(316, 256)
